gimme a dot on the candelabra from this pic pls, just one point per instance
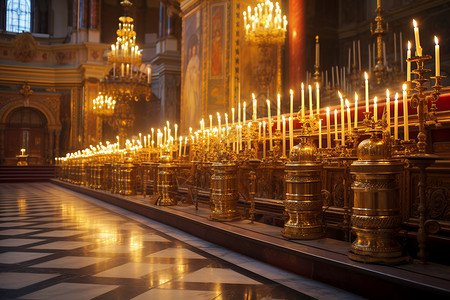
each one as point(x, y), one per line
point(265, 27)
point(379, 69)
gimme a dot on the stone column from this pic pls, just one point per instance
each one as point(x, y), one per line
point(297, 42)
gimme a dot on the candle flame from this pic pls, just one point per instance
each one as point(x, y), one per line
point(317, 85)
point(409, 46)
point(366, 76)
point(253, 96)
point(291, 92)
point(436, 40)
point(414, 23)
point(404, 87)
point(328, 110)
point(396, 96)
point(268, 102)
point(387, 93)
point(283, 118)
point(347, 103)
point(340, 95)
point(375, 100)
point(356, 96)
point(303, 86)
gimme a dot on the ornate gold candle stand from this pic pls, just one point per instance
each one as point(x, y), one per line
point(224, 195)
point(422, 160)
point(127, 173)
point(376, 215)
point(166, 182)
point(303, 201)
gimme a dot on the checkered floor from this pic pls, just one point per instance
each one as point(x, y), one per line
point(56, 244)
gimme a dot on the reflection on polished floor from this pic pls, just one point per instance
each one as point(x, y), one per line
point(56, 244)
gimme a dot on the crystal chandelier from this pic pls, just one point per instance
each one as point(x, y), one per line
point(103, 105)
point(264, 24)
point(129, 79)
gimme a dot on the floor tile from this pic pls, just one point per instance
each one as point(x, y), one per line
point(62, 245)
point(59, 233)
point(53, 225)
point(163, 294)
point(71, 262)
point(133, 270)
point(116, 249)
point(5, 219)
point(13, 280)
point(15, 224)
point(180, 253)
point(153, 238)
point(71, 291)
point(17, 231)
point(18, 242)
point(19, 257)
point(218, 275)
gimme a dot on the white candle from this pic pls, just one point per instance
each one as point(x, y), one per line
point(367, 90)
point(401, 51)
point(226, 123)
point(249, 135)
point(310, 101)
point(210, 121)
point(320, 134)
point(237, 138)
point(349, 117)
point(278, 112)
point(328, 129)
point(395, 47)
point(180, 146)
point(317, 50)
point(303, 101)
point(405, 114)
point(264, 139)
point(359, 55)
point(270, 124)
point(356, 110)
point(185, 143)
point(259, 130)
point(354, 56)
point(437, 58)
point(375, 109)
point(176, 131)
point(219, 124)
point(254, 108)
point(408, 63)
point(417, 39)
point(284, 136)
point(388, 111)
point(335, 126)
point(239, 113)
point(396, 117)
point(232, 116)
point(318, 98)
point(244, 110)
point(342, 120)
point(349, 58)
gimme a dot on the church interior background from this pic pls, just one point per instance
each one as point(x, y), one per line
point(208, 68)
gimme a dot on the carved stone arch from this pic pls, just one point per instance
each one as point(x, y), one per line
point(52, 120)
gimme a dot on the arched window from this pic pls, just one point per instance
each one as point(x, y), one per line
point(18, 15)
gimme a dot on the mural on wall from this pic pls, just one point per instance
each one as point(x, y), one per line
point(191, 104)
point(217, 42)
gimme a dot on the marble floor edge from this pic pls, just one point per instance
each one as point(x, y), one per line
point(293, 281)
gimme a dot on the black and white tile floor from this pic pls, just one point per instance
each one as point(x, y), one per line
point(57, 244)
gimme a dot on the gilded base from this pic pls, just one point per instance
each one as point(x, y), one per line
point(308, 233)
point(379, 260)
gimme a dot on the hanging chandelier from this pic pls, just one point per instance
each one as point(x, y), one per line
point(265, 23)
point(104, 105)
point(128, 79)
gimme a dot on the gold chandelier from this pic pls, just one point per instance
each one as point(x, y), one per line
point(129, 78)
point(265, 23)
point(104, 105)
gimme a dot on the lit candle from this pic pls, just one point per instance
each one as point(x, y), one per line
point(284, 136)
point(259, 130)
point(140, 137)
point(176, 131)
point(320, 134)
point(239, 113)
point(342, 120)
point(405, 114)
point(291, 133)
point(278, 112)
point(180, 146)
point(232, 115)
point(366, 77)
point(122, 69)
point(349, 117)
point(335, 126)
point(264, 139)
point(226, 124)
point(310, 101)
point(185, 143)
point(356, 110)
point(396, 117)
point(210, 121)
point(148, 75)
point(219, 124)
point(408, 63)
point(254, 107)
point(388, 111)
point(318, 98)
point(417, 38)
point(270, 124)
point(249, 135)
point(375, 109)
point(244, 110)
point(237, 138)
point(303, 101)
point(328, 129)
point(436, 54)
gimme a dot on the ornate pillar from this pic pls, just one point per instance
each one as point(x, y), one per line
point(297, 42)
